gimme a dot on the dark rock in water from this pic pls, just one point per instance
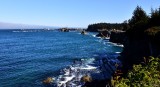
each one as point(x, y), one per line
point(83, 32)
point(65, 30)
point(103, 34)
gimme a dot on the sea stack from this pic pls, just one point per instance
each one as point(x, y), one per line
point(83, 32)
point(65, 30)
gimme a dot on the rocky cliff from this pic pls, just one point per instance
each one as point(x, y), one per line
point(136, 47)
point(117, 37)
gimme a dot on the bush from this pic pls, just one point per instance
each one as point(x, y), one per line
point(142, 76)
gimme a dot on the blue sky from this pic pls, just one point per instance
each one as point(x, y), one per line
point(70, 13)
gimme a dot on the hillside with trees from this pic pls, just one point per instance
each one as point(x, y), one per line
point(105, 26)
point(142, 41)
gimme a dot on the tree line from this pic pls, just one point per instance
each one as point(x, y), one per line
point(139, 21)
point(105, 26)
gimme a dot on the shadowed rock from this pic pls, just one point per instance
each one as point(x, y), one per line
point(83, 32)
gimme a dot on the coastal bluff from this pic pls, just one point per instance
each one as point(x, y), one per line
point(140, 46)
point(117, 37)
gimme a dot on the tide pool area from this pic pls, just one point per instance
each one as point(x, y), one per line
point(28, 57)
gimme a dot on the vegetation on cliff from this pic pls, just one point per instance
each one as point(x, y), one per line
point(143, 39)
point(142, 75)
point(153, 31)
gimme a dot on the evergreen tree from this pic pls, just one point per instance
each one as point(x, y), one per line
point(139, 18)
point(155, 18)
point(138, 23)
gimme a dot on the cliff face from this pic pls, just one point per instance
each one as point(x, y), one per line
point(117, 37)
point(134, 51)
point(136, 48)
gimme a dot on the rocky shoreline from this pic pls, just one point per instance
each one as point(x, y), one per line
point(96, 72)
point(81, 74)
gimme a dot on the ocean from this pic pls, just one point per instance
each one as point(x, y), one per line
point(27, 57)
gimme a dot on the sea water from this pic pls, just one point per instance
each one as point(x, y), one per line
point(27, 57)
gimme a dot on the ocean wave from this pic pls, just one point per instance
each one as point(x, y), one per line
point(28, 30)
point(25, 31)
point(72, 74)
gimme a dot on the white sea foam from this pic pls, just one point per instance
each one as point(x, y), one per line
point(75, 72)
point(98, 37)
point(117, 52)
point(88, 67)
point(26, 31)
point(94, 35)
point(107, 38)
point(64, 80)
point(115, 44)
point(15, 31)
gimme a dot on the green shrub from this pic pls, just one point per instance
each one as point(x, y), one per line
point(142, 76)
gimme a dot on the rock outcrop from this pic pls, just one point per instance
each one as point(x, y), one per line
point(83, 32)
point(86, 78)
point(138, 46)
point(117, 37)
point(48, 80)
point(65, 30)
point(103, 34)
